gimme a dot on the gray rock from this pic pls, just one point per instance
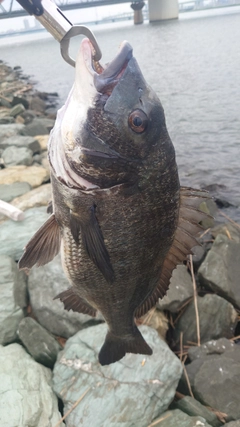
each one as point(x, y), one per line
point(177, 418)
point(27, 398)
point(20, 100)
point(44, 284)
point(38, 127)
point(211, 347)
point(42, 346)
point(22, 141)
point(193, 408)
point(233, 424)
point(210, 208)
point(16, 110)
point(215, 381)
point(131, 392)
point(9, 191)
point(230, 230)
point(217, 319)
point(180, 290)
point(11, 312)
point(9, 130)
point(220, 271)
point(17, 156)
point(15, 235)
point(6, 119)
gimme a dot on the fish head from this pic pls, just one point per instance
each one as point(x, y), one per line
point(112, 126)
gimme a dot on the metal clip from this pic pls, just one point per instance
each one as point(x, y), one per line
point(75, 31)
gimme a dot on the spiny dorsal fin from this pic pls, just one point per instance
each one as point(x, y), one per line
point(43, 246)
point(73, 302)
point(184, 241)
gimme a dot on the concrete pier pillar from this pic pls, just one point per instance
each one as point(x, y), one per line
point(138, 15)
point(160, 10)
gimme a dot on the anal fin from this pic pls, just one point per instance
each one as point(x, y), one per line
point(73, 302)
point(43, 246)
point(184, 240)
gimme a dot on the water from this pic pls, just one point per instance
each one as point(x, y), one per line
point(193, 65)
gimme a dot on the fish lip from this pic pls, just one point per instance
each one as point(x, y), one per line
point(109, 74)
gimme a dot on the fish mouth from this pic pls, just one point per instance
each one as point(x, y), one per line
point(106, 77)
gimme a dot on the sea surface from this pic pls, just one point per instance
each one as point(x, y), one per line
point(194, 66)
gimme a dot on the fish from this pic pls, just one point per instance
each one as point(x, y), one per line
point(119, 217)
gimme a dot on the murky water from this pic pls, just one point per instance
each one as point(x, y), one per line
point(194, 66)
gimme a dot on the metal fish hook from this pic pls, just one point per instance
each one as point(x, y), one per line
point(75, 31)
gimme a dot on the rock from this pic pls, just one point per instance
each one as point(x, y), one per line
point(27, 398)
point(28, 116)
point(38, 127)
point(193, 408)
point(217, 318)
point(233, 424)
point(199, 253)
point(177, 418)
point(17, 156)
point(211, 347)
point(40, 196)
point(140, 387)
point(11, 312)
point(220, 271)
point(33, 175)
point(9, 191)
point(42, 346)
point(44, 284)
point(180, 290)
point(9, 130)
point(37, 104)
point(215, 380)
point(20, 100)
point(6, 119)
point(15, 235)
point(232, 231)
point(43, 141)
point(210, 208)
point(22, 141)
point(17, 109)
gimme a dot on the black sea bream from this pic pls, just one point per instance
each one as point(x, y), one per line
point(119, 218)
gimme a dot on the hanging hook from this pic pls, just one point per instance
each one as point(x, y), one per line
point(75, 31)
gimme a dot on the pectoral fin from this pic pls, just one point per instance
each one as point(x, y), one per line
point(184, 240)
point(93, 242)
point(73, 302)
point(43, 246)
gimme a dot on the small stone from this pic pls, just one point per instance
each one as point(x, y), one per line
point(10, 191)
point(20, 100)
point(217, 318)
point(11, 312)
point(22, 141)
point(233, 424)
point(17, 156)
point(15, 235)
point(220, 270)
point(34, 175)
point(28, 116)
point(40, 196)
point(17, 109)
point(6, 120)
point(37, 104)
point(211, 347)
point(9, 130)
point(177, 418)
point(180, 290)
point(42, 346)
point(43, 141)
point(139, 386)
point(38, 127)
point(230, 230)
point(26, 392)
point(210, 208)
point(193, 408)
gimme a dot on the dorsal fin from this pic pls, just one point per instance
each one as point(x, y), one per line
point(184, 241)
point(43, 246)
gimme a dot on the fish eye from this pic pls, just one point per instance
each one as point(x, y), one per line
point(138, 121)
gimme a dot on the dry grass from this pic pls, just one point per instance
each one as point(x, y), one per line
point(159, 420)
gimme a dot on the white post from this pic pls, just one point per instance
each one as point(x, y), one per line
point(160, 10)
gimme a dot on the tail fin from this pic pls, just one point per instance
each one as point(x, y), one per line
point(114, 348)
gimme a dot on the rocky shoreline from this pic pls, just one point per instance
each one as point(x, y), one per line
point(49, 367)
